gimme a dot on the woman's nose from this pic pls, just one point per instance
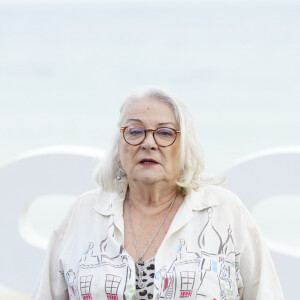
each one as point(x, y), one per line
point(149, 141)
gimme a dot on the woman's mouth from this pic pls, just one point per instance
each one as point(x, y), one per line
point(148, 162)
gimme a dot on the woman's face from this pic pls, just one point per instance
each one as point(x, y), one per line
point(149, 114)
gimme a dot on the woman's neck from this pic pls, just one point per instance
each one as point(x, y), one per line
point(141, 196)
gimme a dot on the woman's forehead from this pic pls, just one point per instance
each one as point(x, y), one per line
point(153, 110)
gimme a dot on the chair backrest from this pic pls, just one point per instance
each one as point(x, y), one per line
point(266, 174)
point(54, 170)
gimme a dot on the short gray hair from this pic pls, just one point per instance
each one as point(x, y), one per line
point(191, 162)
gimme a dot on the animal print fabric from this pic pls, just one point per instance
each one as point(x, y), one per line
point(145, 280)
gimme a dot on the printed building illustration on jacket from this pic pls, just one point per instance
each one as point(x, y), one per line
point(91, 273)
point(209, 272)
point(193, 275)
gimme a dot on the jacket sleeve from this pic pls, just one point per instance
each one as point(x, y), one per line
point(51, 283)
point(260, 280)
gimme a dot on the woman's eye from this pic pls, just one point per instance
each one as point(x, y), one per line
point(165, 132)
point(135, 131)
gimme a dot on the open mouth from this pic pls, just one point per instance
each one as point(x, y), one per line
point(148, 161)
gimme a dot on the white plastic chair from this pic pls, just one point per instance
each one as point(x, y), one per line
point(266, 174)
point(54, 170)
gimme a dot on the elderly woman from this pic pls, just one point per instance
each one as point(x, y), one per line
point(156, 229)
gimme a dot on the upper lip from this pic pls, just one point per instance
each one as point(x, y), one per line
point(148, 159)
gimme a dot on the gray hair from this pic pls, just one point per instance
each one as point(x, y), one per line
point(191, 162)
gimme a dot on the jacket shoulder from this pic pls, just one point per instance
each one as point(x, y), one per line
point(220, 195)
point(82, 207)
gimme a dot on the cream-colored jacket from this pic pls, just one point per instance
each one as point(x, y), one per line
point(213, 250)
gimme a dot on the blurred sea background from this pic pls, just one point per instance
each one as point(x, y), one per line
point(66, 66)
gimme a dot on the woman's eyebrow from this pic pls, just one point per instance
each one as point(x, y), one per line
point(134, 120)
point(166, 123)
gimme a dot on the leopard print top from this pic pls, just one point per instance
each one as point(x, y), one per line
point(145, 280)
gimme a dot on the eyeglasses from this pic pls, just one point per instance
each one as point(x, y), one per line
point(163, 136)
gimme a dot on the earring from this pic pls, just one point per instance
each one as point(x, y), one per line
point(120, 173)
point(120, 176)
point(120, 180)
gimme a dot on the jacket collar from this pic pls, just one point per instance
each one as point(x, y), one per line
point(109, 204)
point(203, 198)
point(195, 201)
point(112, 203)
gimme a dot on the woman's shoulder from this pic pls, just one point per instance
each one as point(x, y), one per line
point(83, 208)
point(217, 195)
point(90, 198)
point(224, 203)
point(228, 211)
point(227, 204)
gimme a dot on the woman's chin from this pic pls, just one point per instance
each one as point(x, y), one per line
point(146, 176)
point(149, 180)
